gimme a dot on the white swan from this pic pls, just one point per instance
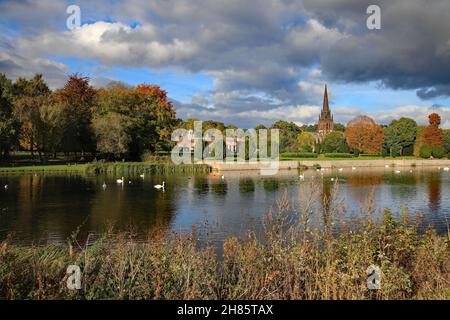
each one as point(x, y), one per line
point(341, 169)
point(353, 168)
point(397, 171)
point(104, 185)
point(223, 177)
point(332, 179)
point(142, 176)
point(120, 181)
point(386, 166)
point(6, 187)
point(159, 186)
point(302, 177)
point(446, 169)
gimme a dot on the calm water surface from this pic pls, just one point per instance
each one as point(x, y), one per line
point(43, 208)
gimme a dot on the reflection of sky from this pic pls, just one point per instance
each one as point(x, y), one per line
point(49, 208)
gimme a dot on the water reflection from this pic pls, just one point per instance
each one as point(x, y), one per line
point(48, 208)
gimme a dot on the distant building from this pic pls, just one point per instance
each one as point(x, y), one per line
point(326, 123)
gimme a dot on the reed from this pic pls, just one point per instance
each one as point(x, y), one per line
point(309, 249)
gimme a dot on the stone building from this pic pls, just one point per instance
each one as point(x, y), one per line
point(326, 124)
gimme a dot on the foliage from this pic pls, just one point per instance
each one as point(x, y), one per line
point(299, 155)
point(446, 139)
point(8, 125)
point(306, 142)
point(112, 133)
point(438, 152)
point(338, 155)
point(433, 135)
point(399, 135)
point(334, 142)
point(363, 134)
point(426, 151)
point(77, 99)
point(289, 132)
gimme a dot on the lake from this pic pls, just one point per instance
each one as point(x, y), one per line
point(47, 208)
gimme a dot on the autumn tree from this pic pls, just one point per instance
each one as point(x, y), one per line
point(149, 116)
point(112, 132)
point(77, 99)
point(433, 135)
point(364, 134)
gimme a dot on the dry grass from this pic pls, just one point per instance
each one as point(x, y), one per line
point(299, 256)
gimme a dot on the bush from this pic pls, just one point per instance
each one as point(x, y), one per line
point(370, 155)
point(338, 155)
point(438, 152)
point(425, 151)
point(299, 155)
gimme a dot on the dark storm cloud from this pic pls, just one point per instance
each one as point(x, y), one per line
point(259, 52)
point(411, 51)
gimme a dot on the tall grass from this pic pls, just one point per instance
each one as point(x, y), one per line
point(119, 168)
point(308, 249)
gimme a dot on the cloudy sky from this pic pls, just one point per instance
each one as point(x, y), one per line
point(245, 61)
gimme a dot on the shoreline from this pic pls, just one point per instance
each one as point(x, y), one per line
point(335, 163)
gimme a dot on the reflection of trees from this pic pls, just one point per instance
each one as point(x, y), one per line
point(201, 185)
point(434, 191)
point(270, 184)
point(327, 189)
point(140, 209)
point(246, 185)
point(219, 187)
point(364, 180)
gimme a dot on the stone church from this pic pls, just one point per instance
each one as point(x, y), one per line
point(326, 124)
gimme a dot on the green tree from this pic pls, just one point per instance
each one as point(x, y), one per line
point(289, 132)
point(306, 142)
point(29, 96)
point(8, 124)
point(334, 142)
point(447, 140)
point(399, 135)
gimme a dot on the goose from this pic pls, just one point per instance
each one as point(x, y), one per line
point(120, 181)
point(446, 169)
point(159, 186)
point(104, 185)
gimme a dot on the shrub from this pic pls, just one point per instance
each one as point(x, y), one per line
point(438, 152)
point(299, 155)
point(425, 151)
point(370, 155)
point(338, 155)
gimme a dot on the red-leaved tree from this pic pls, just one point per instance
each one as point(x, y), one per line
point(433, 135)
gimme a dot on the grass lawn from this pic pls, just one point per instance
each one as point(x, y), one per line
point(356, 158)
point(43, 168)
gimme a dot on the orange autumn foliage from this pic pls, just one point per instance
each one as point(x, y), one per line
point(364, 134)
point(433, 135)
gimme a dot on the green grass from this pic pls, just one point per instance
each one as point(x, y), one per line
point(356, 158)
point(44, 168)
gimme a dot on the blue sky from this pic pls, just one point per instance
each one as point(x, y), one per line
point(244, 62)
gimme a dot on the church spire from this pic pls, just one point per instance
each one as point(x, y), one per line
point(326, 107)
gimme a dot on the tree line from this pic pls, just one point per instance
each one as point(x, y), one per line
point(82, 121)
point(126, 122)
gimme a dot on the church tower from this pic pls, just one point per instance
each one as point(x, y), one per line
point(326, 123)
